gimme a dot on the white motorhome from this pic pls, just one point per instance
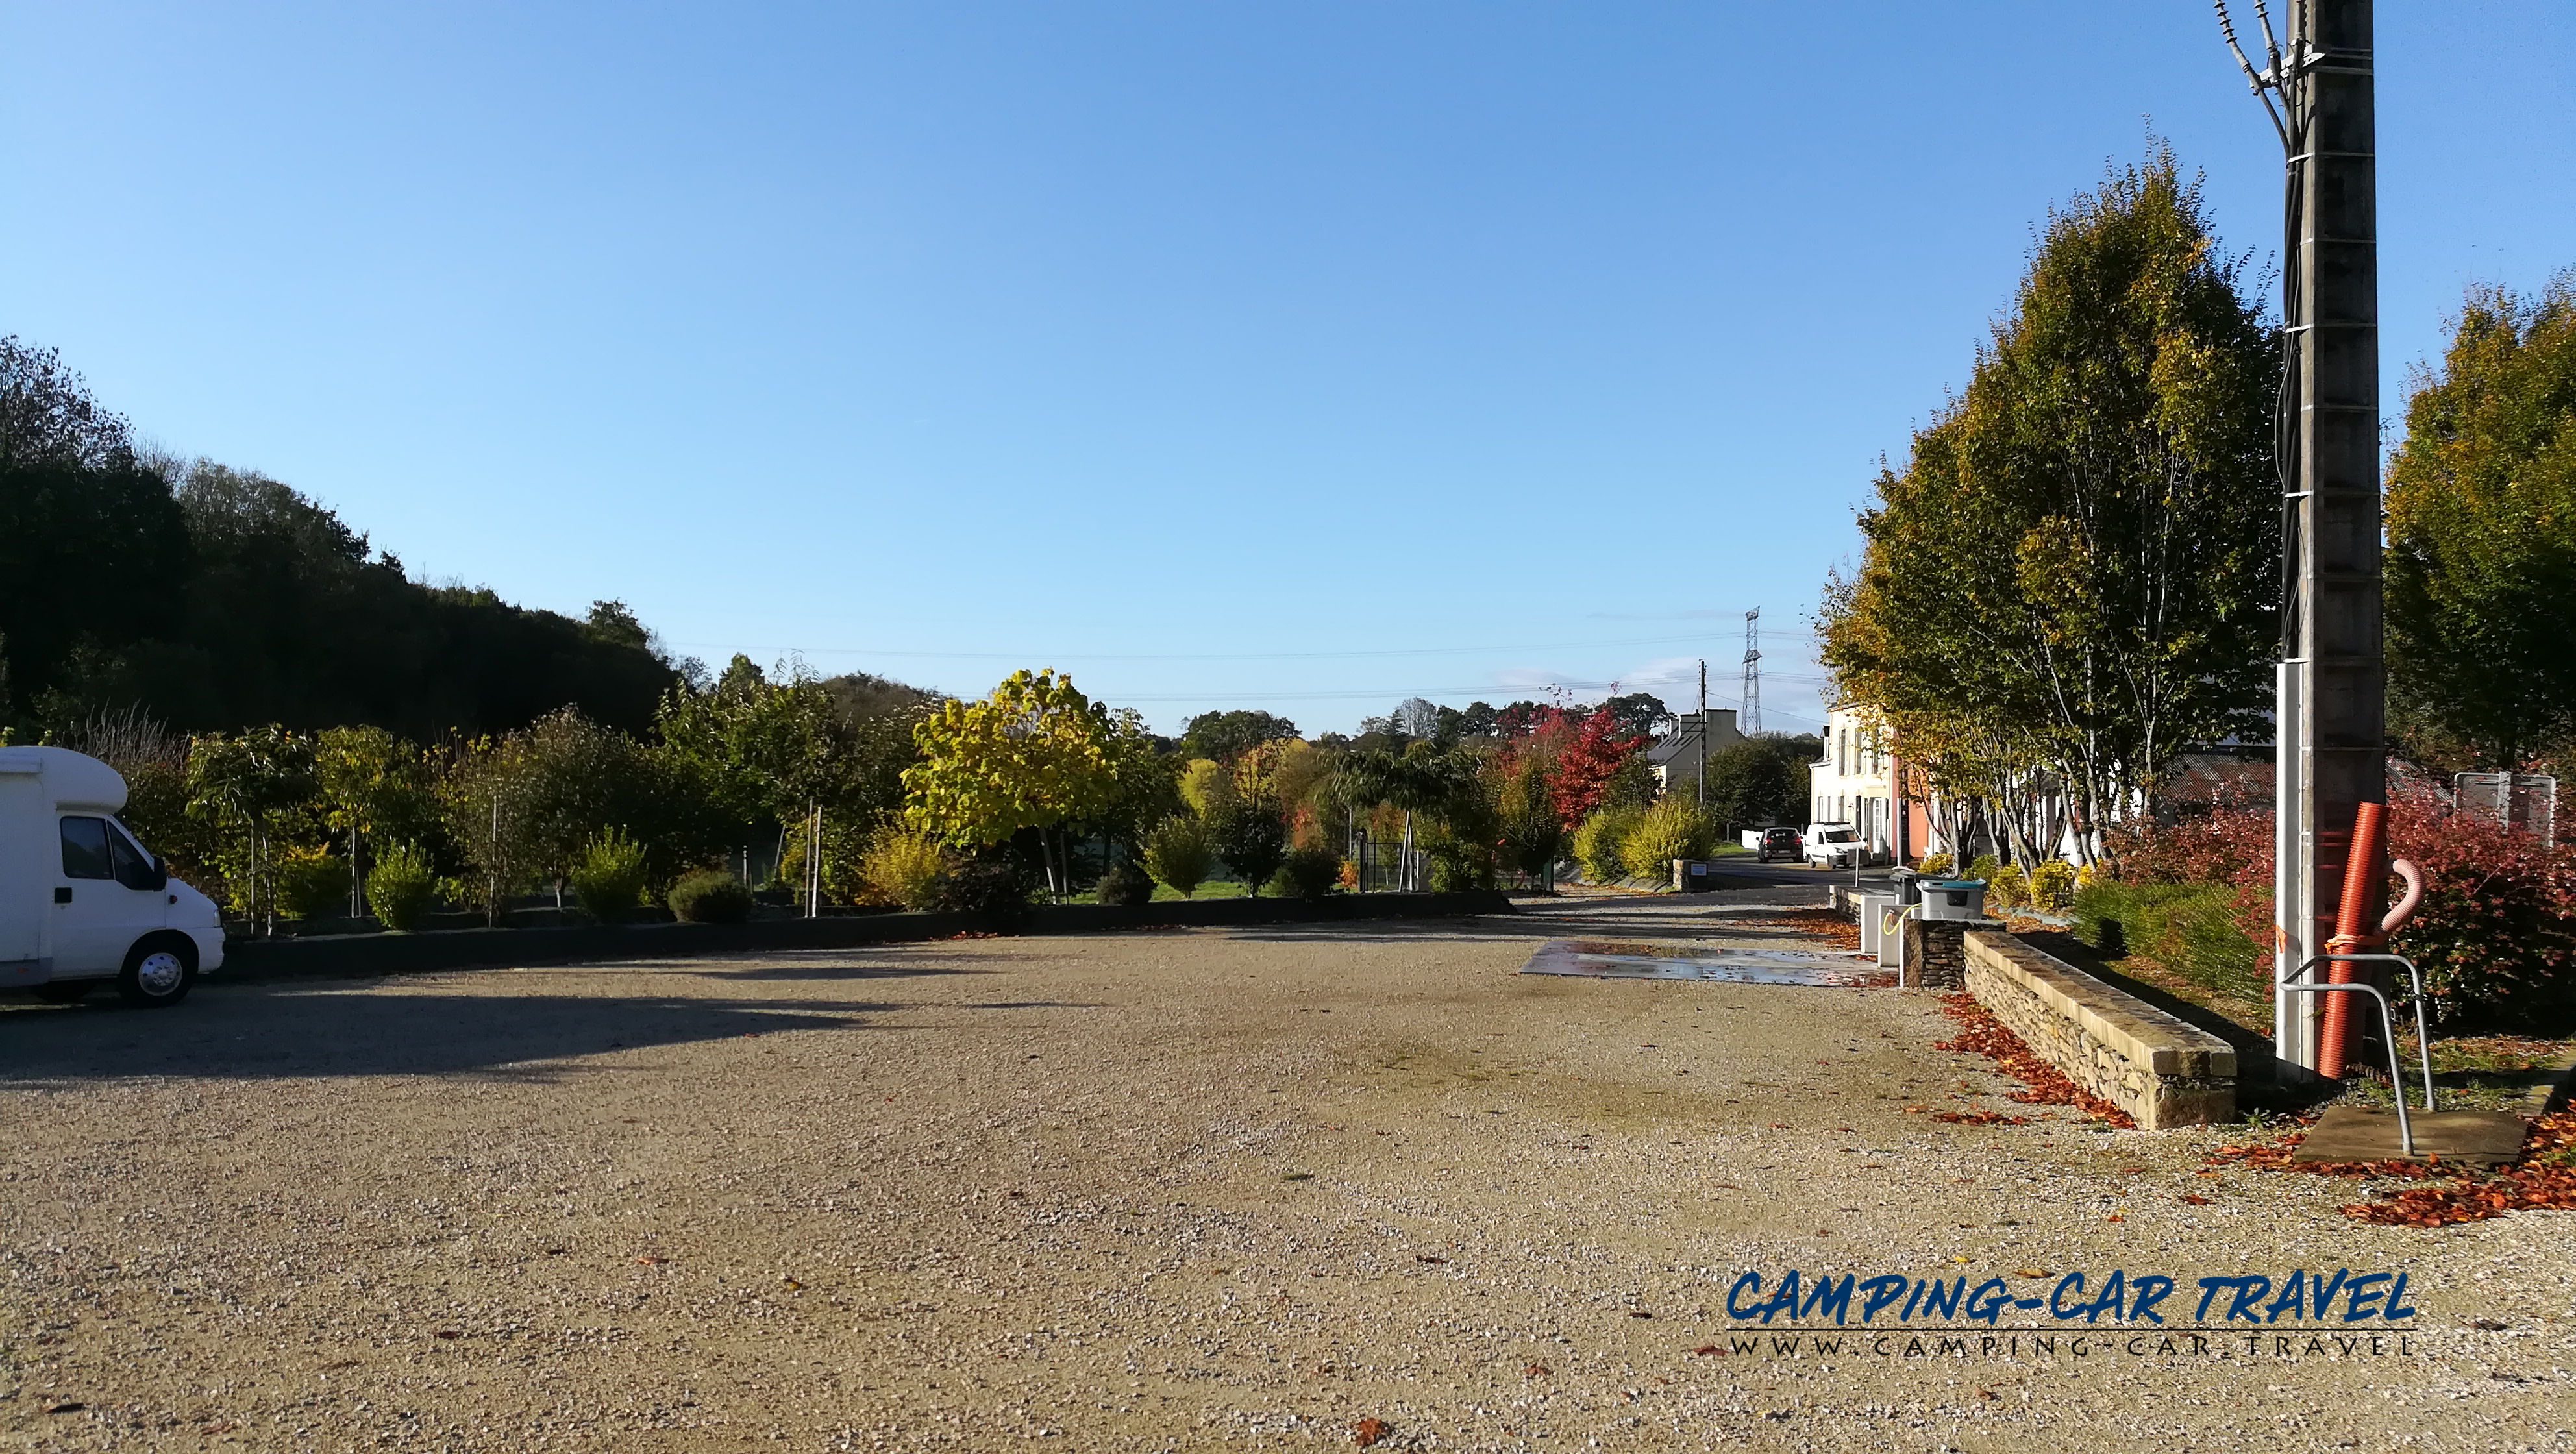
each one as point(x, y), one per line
point(82, 903)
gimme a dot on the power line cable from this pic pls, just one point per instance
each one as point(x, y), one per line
point(1400, 693)
point(1060, 656)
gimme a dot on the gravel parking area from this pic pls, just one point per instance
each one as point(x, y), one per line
point(1289, 1187)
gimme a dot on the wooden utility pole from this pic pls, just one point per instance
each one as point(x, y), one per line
point(1703, 733)
point(2331, 710)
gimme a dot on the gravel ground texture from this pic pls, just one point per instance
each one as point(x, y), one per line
point(1294, 1187)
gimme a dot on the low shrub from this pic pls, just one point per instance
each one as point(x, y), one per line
point(1673, 828)
point(1934, 865)
point(1126, 885)
point(401, 889)
point(312, 885)
point(2052, 886)
point(993, 885)
point(609, 881)
point(465, 889)
point(904, 868)
point(1178, 854)
point(1459, 861)
point(2006, 888)
point(1985, 866)
point(1459, 872)
point(710, 896)
point(1600, 843)
point(1308, 873)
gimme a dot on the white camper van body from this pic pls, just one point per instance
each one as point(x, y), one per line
point(81, 902)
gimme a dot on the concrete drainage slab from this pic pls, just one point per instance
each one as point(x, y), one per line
point(1597, 959)
point(2349, 1133)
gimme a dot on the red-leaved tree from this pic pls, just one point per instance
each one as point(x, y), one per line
point(1589, 753)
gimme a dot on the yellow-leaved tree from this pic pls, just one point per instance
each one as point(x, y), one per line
point(1036, 754)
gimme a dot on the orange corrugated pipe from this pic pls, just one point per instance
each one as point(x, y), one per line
point(2354, 920)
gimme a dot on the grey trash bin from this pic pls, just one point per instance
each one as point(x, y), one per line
point(1953, 898)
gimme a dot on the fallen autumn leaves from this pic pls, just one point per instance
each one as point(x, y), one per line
point(2452, 1192)
point(1981, 1033)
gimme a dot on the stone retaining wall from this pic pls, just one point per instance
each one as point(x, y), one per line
point(2157, 1068)
point(1936, 951)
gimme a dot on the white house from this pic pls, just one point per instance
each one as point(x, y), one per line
point(1855, 783)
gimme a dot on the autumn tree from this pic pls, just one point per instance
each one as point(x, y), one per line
point(2481, 564)
point(2074, 577)
point(1036, 754)
point(1591, 755)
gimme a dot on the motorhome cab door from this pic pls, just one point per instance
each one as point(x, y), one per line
point(107, 896)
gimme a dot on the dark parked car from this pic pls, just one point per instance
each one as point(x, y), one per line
point(1780, 843)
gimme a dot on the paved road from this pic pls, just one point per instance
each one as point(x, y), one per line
point(1186, 1191)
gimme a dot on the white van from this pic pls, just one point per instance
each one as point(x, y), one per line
point(81, 902)
point(1834, 845)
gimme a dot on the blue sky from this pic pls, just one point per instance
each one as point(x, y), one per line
point(1299, 356)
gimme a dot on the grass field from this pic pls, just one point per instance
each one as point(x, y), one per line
point(1163, 893)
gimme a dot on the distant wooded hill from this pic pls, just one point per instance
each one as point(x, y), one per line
point(214, 598)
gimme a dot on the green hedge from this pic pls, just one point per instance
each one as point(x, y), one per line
point(2191, 929)
point(710, 896)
